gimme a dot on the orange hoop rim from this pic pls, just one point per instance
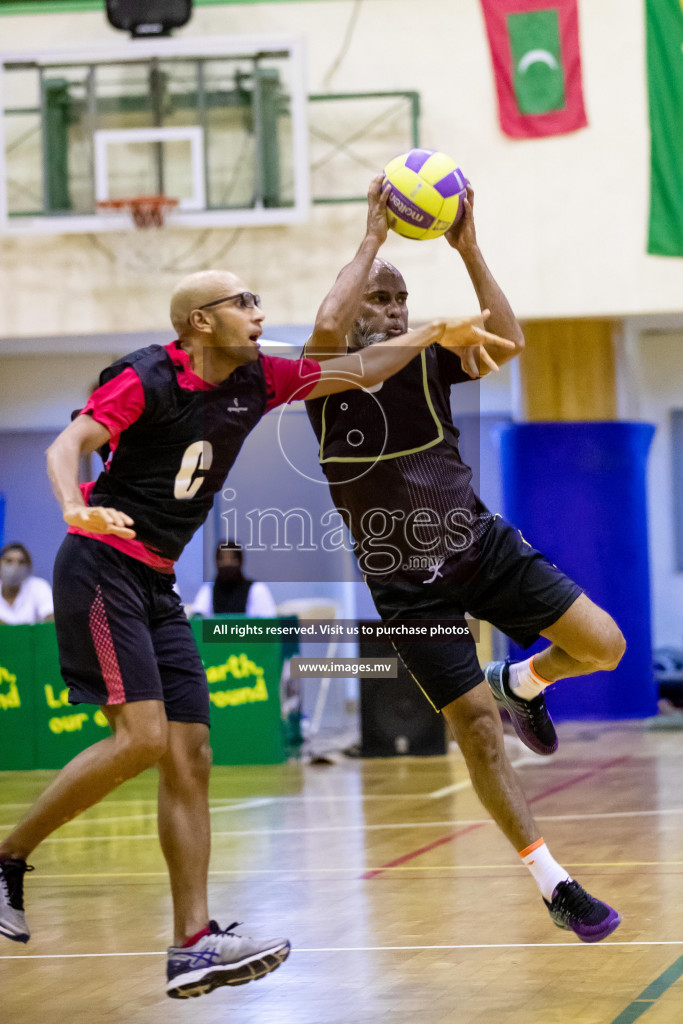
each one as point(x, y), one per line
point(146, 211)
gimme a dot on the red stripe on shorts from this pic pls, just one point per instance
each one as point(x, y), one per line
point(104, 648)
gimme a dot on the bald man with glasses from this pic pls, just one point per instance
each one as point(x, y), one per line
point(169, 422)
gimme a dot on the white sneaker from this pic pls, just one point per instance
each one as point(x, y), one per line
point(12, 919)
point(221, 958)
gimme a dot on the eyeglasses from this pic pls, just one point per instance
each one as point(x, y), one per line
point(247, 300)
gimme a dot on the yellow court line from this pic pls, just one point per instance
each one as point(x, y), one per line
point(244, 805)
point(220, 804)
point(113, 799)
point(364, 868)
point(348, 827)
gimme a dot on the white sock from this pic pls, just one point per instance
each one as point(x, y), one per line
point(543, 866)
point(524, 680)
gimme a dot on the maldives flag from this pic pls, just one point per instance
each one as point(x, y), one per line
point(537, 64)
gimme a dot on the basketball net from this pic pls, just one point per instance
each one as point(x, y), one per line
point(151, 245)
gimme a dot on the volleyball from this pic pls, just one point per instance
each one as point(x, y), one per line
point(427, 193)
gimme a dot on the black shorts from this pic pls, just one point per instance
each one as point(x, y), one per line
point(507, 583)
point(122, 633)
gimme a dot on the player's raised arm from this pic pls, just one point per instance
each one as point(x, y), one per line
point(371, 365)
point(338, 309)
point(502, 321)
point(82, 436)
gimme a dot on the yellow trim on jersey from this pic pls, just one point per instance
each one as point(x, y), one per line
point(393, 455)
point(414, 678)
point(417, 681)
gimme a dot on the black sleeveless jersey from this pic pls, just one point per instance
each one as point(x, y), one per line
point(392, 461)
point(169, 464)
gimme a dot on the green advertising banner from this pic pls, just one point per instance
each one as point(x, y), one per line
point(40, 729)
point(244, 690)
point(665, 88)
point(17, 698)
point(62, 729)
point(38, 726)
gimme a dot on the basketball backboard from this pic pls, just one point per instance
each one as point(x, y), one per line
point(219, 124)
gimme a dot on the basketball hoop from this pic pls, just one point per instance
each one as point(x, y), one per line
point(150, 245)
point(146, 211)
point(147, 245)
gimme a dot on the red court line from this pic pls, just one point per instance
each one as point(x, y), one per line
point(473, 828)
point(580, 778)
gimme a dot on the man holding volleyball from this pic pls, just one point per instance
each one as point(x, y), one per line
point(430, 549)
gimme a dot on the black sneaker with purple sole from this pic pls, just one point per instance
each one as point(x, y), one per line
point(530, 718)
point(574, 909)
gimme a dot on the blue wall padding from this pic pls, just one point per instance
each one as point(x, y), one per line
point(577, 492)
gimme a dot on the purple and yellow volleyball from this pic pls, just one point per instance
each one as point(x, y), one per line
point(427, 193)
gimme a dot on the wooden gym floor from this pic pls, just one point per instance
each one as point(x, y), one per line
point(402, 901)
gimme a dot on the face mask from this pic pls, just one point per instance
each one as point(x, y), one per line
point(12, 575)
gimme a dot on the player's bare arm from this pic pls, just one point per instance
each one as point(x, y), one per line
point(337, 311)
point(82, 436)
point(374, 364)
point(462, 237)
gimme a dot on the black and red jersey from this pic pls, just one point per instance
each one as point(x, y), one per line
point(174, 438)
point(391, 457)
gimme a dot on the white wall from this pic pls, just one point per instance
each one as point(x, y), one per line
point(561, 220)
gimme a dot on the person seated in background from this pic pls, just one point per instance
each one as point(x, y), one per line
point(232, 592)
point(24, 599)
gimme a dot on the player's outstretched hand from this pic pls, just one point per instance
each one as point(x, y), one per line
point(378, 195)
point(98, 519)
point(459, 336)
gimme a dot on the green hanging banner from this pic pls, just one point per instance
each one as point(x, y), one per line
point(665, 86)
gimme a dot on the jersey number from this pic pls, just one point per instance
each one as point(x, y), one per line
point(197, 460)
